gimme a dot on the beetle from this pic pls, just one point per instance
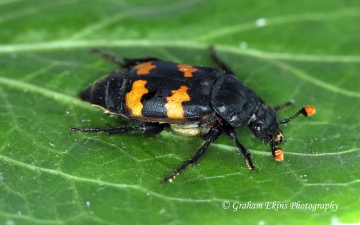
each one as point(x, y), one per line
point(192, 100)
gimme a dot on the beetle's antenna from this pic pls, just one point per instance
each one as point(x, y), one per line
point(306, 111)
point(279, 107)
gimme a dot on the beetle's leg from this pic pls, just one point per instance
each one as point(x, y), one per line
point(211, 136)
point(247, 155)
point(219, 62)
point(125, 63)
point(109, 57)
point(278, 107)
point(146, 128)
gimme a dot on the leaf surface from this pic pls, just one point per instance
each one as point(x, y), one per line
point(307, 52)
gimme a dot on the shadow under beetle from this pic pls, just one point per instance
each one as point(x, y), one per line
point(193, 100)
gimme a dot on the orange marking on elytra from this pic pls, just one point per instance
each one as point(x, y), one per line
point(144, 68)
point(174, 102)
point(187, 69)
point(133, 98)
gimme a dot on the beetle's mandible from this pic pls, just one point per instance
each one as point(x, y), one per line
point(192, 100)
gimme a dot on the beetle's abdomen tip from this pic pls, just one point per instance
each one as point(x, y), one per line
point(85, 95)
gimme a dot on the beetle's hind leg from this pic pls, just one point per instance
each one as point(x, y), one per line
point(109, 57)
point(124, 63)
point(219, 62)
point(146, 128)
point(210, 137)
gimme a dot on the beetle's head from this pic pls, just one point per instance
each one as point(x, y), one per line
point(265, 126)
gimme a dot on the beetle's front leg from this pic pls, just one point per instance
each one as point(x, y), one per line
point(230, 132)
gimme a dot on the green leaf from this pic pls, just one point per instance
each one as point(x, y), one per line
point(283, 50)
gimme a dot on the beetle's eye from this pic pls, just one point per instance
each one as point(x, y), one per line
point(258, 131)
